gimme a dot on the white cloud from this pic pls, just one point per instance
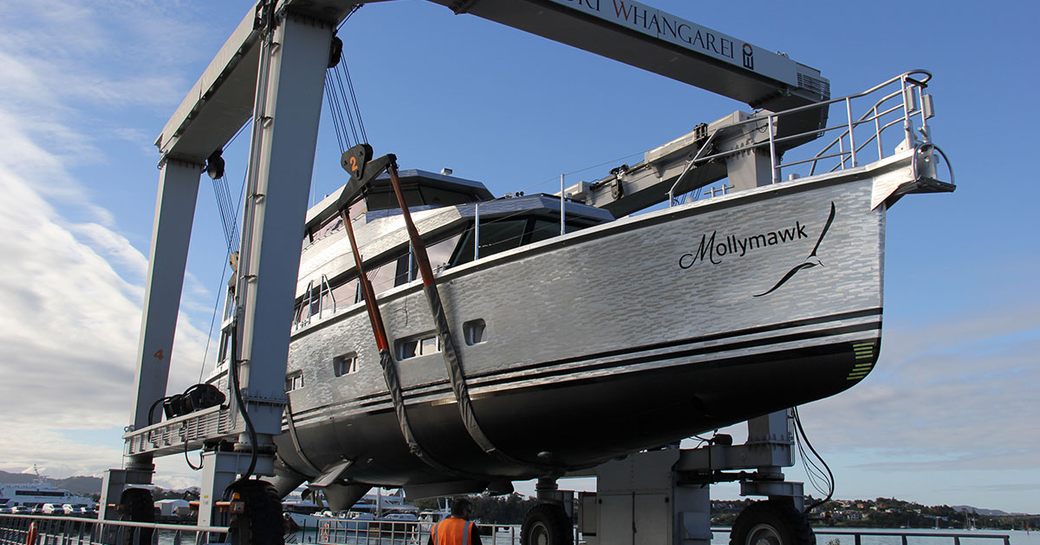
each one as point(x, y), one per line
point(70, 292)
point(70, 321)
point(935, 386)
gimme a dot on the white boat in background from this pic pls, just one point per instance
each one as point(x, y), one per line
point(34, 495)
point(374, 507)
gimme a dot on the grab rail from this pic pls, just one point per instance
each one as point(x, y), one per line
point(903, 536)
point(902, 101)
point(307, 303)
point(78, 530)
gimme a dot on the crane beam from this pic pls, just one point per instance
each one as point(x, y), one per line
point(662, 43)
point(221, 100)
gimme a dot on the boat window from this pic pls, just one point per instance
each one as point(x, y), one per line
point(294, 381)
point(383, 198)
point(421, 345)
point(475, 331)
point(407, 269)
point(444, 197)
point(225, 341)
point(329, 226)
point(542, 229)
point(495, 236)
point(345, 364)
point(381, 277)
point(440, 253)
point(309, 306)
point(345, 294)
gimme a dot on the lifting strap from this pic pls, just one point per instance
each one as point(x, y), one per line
point(386, 360)
point(451, 357)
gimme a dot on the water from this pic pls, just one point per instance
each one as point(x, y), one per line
point(510, 535)
point(1018, 537)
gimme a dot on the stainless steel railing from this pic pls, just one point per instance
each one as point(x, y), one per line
point(904, 538)
point(72, 530)
point(855, 536)
point(380, 532)
point(899, 101)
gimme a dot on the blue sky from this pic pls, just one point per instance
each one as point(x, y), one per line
point(949, 415)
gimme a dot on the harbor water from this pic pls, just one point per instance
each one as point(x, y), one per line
point(510, 535)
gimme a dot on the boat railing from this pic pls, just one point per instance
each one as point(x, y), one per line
point(855, 536)
point(883, 537)
point(316, 297)
point(898, 107)
point(899, 103)
point(73, 530)
point(384, 532)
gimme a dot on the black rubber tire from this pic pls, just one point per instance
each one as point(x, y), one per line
point(261, 521)
point(136, 505)
point(772, 522)
point(547, 524)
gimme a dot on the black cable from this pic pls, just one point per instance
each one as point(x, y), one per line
point(353, 97)
point(188, 460)
point(337, 122)
point(813, 472)
point(332, 113)
point(830, 474)
point(233, 372)
point(151, 410)
point(816, 475)
point(222, 206)
point(341, 87)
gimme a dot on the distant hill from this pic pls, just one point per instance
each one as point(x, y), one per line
point(984, 512)
point(78, 485)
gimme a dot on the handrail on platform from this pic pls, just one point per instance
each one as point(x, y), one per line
point(78, 530)
point(902, 102)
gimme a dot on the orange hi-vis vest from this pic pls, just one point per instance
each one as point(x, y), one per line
point(453, 531)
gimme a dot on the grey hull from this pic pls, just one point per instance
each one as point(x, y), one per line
point(616, 338)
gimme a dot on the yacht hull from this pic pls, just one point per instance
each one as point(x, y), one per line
point(616, 338)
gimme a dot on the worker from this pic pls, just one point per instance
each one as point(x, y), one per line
point(456, 529)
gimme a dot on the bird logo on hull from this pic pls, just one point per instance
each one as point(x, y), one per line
point(811, 261)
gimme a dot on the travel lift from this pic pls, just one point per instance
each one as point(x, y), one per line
point(273, 63)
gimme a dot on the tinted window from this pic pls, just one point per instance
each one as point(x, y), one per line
point(444, 197)
point(406, 271)
point(346, 293)
point(384, 198)
point(381, 277)
point(542, 229)
point(495, 236)
point(440, 253)
point(345, 364)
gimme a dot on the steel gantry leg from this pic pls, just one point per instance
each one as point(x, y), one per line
point(171, 233)
point(289, 97)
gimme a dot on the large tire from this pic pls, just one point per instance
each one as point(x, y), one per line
point(261, 521)
point(772, 522)
point(547, 524)
point(136, 505)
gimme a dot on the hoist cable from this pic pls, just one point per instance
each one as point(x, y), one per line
point(353, 98)
point(223, 274)
point(346, 109)
point(345, 118)
point(342, 110)
point(332, 114)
